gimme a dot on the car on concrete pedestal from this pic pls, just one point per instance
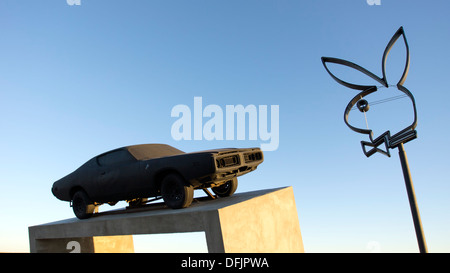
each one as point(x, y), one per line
point(135, 173)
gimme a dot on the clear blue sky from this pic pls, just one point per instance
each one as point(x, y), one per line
point(76, 81)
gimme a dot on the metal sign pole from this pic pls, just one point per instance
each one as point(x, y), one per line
point(412, 199)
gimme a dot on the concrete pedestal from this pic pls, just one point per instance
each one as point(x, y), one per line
point(257, 222)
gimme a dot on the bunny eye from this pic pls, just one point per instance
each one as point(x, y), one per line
point(363, 105)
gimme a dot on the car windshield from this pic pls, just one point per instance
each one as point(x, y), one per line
point(149, 151)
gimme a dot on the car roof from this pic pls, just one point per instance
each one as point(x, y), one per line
point(149, 151)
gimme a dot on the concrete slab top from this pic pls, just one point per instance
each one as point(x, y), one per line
point(157, 210)
point(261, 221)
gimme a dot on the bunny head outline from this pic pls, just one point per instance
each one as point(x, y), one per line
point(407, 134)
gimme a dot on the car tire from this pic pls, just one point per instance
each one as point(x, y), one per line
point(226, 189)
point(176, 192)
point(82, 206)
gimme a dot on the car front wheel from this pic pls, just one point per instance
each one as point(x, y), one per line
point(176, 192)
point(82, 206)
point(226, 189)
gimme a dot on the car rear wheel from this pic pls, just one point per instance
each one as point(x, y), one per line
point(82, 206)
point(226, 189)
point(176, 192)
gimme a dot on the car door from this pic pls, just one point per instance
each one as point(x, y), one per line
point(117, 175)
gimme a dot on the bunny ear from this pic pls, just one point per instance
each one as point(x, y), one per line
point(326, 60)
point(400, 32)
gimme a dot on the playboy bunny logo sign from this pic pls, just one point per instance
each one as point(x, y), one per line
point(389, 141)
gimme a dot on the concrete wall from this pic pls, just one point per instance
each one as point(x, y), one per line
point(267, 223)
point(259, 221)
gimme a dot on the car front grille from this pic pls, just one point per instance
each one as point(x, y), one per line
point(251, 157)
point(228, 161)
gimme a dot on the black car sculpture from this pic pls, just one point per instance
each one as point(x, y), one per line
point(135, 173)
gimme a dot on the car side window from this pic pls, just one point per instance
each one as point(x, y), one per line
point(113, 158)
